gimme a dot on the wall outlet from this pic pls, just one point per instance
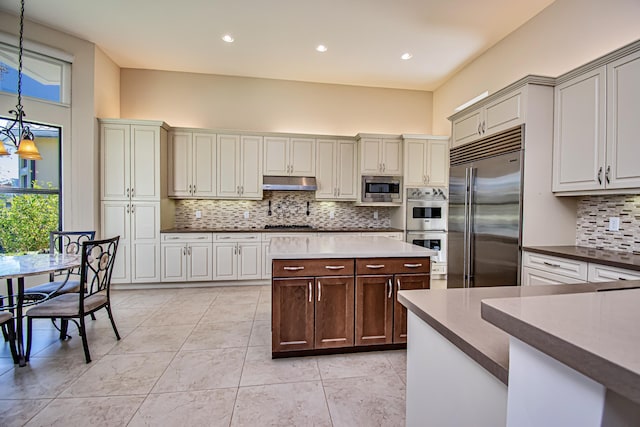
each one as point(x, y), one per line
point(246, 215)
point(614, 223)
point(375, 214)
point(198, 214)
point(332, 214)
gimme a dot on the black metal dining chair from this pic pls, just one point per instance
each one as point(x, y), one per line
point(98, 257)
point(8, 330)
point(60, 242)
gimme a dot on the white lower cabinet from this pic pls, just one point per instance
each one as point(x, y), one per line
point(187, 257)
point(390, 235)
point(542, 269)
point(237, 256)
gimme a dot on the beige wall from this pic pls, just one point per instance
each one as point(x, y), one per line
point(239, 103)
point(563, 36)
point(79, 146)
point(107, 86)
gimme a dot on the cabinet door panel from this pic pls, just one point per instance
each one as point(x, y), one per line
point(276, 155)
point(579, 133)
point(392, 156)
point(173, 266)
point(371, 152)
point(438, 163)
point(415, 164)
point(374, 310)
point(145, 162)
point(503, 113)
point(251, 167)
point(116, 221)
point(249, 257)
point(199, 259)
point(334, 312)
point(115, 140)
point(228, 161)
point(145, 261)
point(466, 129)
point(224, 261)
point(179, 175)
point(347, 173)
point(292, 314)
point(204, 164)
point(326, 169)
point(623, 126)
point(405, 282)
point(303, 156)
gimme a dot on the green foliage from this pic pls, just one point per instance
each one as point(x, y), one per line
point(25, 225)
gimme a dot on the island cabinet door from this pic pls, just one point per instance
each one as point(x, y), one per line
point(405, 282)
point(334, 302)
point(374, 309)
point(292, 314)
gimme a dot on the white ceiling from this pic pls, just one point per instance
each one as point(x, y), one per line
point(277, 38)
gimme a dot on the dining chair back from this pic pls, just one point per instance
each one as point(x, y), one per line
point(6, 321)
point(61, 242)
point(97, 261)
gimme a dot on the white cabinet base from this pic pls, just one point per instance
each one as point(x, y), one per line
point(445, 387)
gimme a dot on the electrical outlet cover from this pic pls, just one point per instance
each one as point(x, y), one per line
point(198, 214)
point(614, 223)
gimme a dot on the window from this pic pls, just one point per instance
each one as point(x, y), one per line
point(30, 193)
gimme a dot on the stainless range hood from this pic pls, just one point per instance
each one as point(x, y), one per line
point(289, 183)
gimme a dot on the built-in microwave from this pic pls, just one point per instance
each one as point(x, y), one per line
point(382, 189)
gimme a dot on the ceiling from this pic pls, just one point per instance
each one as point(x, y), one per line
point(277, 38)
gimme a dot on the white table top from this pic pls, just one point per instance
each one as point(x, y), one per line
point(344, 247)
point(30, 265)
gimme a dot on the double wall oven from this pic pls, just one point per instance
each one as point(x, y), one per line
point(427, 212)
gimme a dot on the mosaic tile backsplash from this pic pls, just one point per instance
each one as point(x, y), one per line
point(287, 208)
point(593, 222)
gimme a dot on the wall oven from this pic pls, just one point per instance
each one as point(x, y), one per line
point(427, 209)
point(382, 189)
point(435, 240)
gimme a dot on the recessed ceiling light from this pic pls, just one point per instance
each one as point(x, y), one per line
point(228, 38)
point(321, 48)
point(406, 56)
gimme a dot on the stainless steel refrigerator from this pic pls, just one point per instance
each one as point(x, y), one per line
point(485, 195)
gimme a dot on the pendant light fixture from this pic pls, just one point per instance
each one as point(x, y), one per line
point(26, 146)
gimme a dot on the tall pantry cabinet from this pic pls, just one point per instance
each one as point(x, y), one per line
point(133, 160)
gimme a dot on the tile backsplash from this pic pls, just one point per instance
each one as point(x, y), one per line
point(287, 207)
point(593, 222)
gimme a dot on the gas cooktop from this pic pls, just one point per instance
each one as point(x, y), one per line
point(287, 227)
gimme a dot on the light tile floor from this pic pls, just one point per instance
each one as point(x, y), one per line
point(194, 357)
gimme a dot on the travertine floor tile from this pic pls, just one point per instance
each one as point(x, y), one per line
point(15, 413)
point(186, 315)
point(195, 408)
point(260, 368)
point(354, 365)
point(366, 401)
point(218, 335)
point(263, 312)
point(127, 374)
point(223, 312)
point(398, 359)
point(202, 370)
point(260, 334)
point(152, 339)
point(294, 404)
point(94, 411)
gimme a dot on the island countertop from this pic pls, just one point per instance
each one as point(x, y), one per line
point(594, 333)
point(455, 314)
point(344, 247)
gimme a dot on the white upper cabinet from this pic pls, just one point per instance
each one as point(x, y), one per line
point(239, 167)
point(336, 170)
point(285, 156)
point(130, 161)
point(426, 162)
point(500, 114)
point(596, 129)
point(380, 156)
point(192, 164)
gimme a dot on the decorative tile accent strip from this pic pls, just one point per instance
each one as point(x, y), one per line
point(287, 208)
point(593, 222)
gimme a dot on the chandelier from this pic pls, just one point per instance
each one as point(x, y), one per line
point(25, 144)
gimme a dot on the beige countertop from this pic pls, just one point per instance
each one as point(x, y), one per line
point(344, 247)
point(601, 256)
point(281, 230)
point(595, 333)
point(455, 314)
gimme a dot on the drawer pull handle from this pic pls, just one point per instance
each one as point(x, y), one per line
point(375, 265)
point(334, 267)
point(551, 264)
point(292, 268)
point(413, 265)
point(621, 278)
point(224, 238)
point(172, 238)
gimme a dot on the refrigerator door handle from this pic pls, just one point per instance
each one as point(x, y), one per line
point(469, 225)
point(465, 256)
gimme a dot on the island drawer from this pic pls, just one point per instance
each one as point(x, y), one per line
point(369, 266)
point(313, 267)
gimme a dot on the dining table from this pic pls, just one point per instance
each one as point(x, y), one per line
point(21, 266)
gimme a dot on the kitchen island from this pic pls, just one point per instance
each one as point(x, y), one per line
point(339, 294)
point(458, 364)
